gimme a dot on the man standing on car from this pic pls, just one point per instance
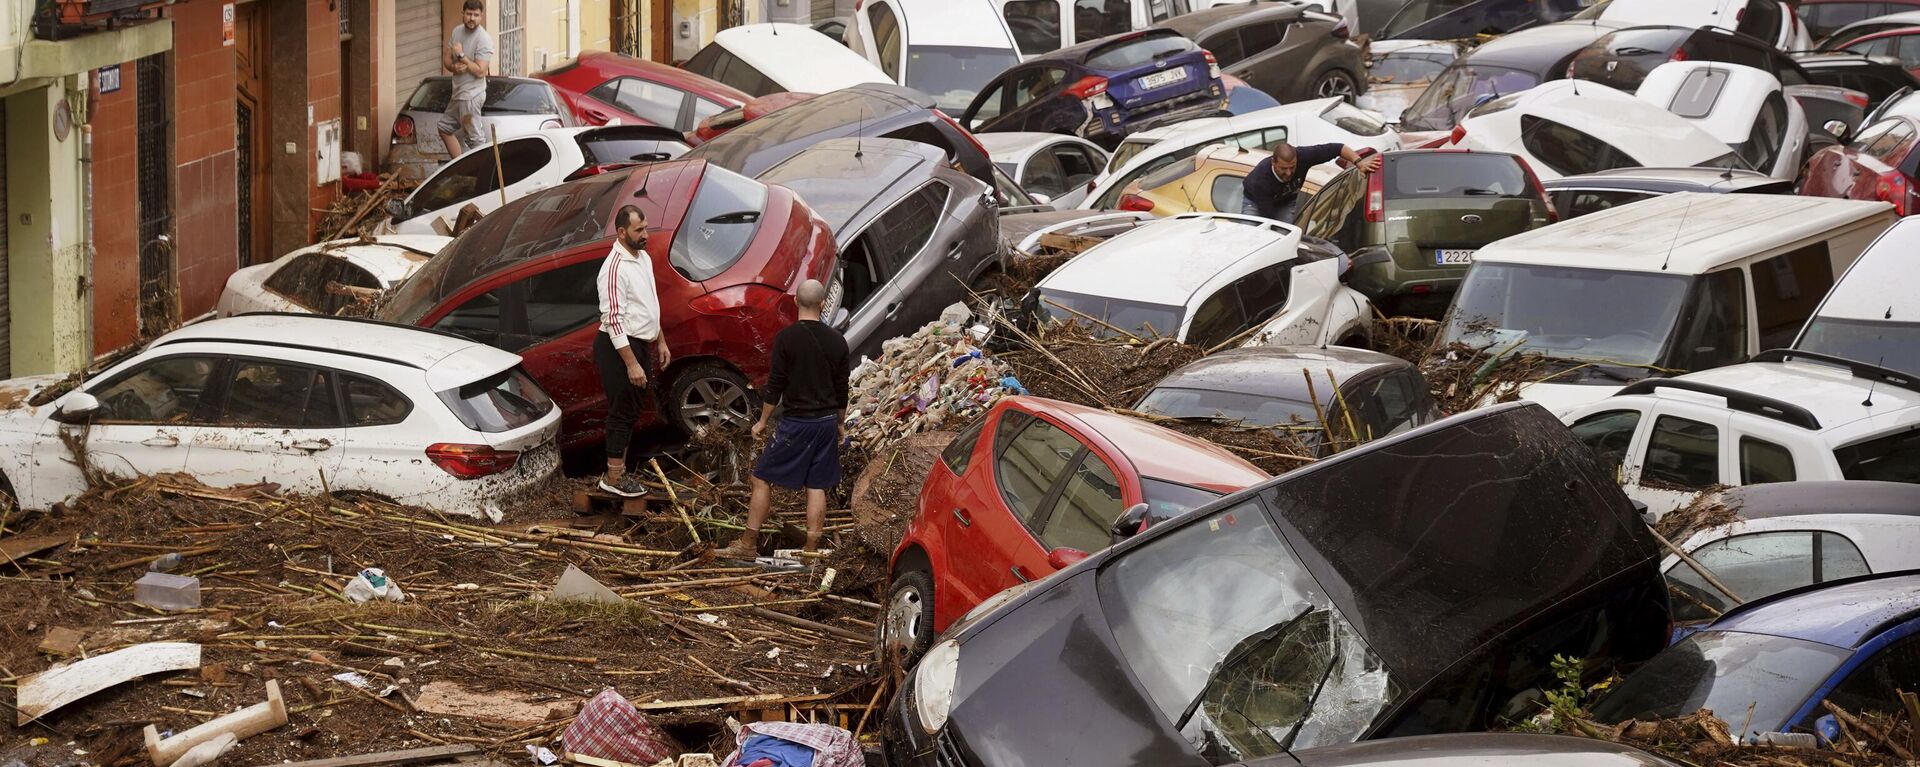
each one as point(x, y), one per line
point(1272, 188)
point(469, 56)
point(629, 342)
point(808, 376)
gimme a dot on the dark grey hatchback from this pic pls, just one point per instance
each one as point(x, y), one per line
point(1416, 584)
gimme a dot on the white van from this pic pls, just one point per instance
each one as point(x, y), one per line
point(947, 49)
point(759, 59)
point(1873, 314)
point(1673, 284)
point(1043, 26)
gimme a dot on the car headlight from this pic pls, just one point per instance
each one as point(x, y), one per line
point(933, 685)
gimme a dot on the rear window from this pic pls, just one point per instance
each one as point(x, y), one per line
point(1141, 319)
point(1893, 458)
point(1570, 151)
point(1646, 41)
point(1353, 120)
point(502, 402)
point(1127, 151)
point(605, 147)
point(504, 97)
point(1137, 51)
point(1455, 174)
point(723, 218)
point(1170, 174)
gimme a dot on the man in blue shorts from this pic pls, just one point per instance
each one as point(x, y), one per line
point(809, 377)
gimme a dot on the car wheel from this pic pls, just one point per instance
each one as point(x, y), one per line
point(906, 628)
point(706, 394)
point(1335, 82)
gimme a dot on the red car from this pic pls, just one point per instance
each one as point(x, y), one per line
point(1878, 164)
point(601, 86)
point(728, 253)
point(1030, 488)
point(741, 115)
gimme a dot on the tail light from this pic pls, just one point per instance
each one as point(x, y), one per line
point(1136, 203)
point(1679, 54)
point(1533, 182)
point(1213, 65)
point(1090, 86)
point(1376, 196)
point(1458, 135)
point(403, 130)
point(1895, 189)
point(471, 461)
point(964, 133)
point(1857, 98)
point(739, 301)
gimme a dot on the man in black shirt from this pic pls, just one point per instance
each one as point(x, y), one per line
point(809, 376)
point(1272, 188)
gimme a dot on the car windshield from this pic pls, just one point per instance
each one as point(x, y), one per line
point(1455, 174)
point(1233, 406)
point(564, 217)
point(720, 223)
point(504, 97)
point(1353, 120)
point(954, 75)
point(1408, 67)
point(1235, 643)
point(1127, 150)
point(1596, 315)
point(1166, 500)
point(1887, 344)
point(1446, 101)
point(1726, 671)
point(1141, 319)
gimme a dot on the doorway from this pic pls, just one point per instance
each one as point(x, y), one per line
point(251, 160)
point(153, 175)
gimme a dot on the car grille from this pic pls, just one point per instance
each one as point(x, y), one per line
point(945, 752)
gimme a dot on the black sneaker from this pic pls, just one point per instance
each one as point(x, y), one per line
point(628, 487)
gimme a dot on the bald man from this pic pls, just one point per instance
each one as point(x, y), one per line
point(808, 377)
point(1272, 188)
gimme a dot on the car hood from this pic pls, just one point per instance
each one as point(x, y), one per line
point(16, 397)
point(1561, 398)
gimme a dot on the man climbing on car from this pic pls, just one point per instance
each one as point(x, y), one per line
point(1272, 188)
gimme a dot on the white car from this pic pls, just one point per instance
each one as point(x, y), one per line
point(1771, 20)
point(764, 59)
point(310, 403)
point(513, 106)
point(529, 164)
point(1044, 26)
point(1572, 127)
point(1398, 71)
point(1236, 280)
point(947, 49)
point(1744, 107)
point(1873, 313)
point(329, 277)
point(1056, 165)
point(1786, 417)
point(1794, 534)
point(1319, 121)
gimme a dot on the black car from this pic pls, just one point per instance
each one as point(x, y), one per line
point(1413, 585)
point(1507, 64)
point(1622, 59)
point(1288, 51)
point(1575, 196)
point(871, 111)
point(1878, 78)
point(1263, 386)
point(1454, 19)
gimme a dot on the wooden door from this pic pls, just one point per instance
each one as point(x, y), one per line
point(252, 161)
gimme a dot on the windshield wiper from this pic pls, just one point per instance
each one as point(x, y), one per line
point(736, 217)
point(1247, 646)
point(1306, 711)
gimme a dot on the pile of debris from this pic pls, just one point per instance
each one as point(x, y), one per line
point(937, 378)
point(1868, 739)
point(360, 212)
point(1462, 378)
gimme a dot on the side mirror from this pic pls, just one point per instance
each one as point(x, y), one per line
point(78, 408)
point(1040, 198)
point(1060, 558)
point(1131, 522)
point(1835, 127)
point(397, 208)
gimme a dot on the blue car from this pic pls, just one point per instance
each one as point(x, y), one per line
point(1853, 642)
point(1103, 90)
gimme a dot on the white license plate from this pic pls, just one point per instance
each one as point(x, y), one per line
point(1163, 79)
point(1451, 257)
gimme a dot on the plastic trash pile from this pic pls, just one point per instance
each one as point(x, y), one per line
point(936, 378)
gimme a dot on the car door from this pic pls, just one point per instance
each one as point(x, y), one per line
point(549, 317)
point(527, 164)
point(883, 38)
point(1042, 174)
point(381, 446)
point(1682, 456)
point(277, 421)
point(1035, 101)
point(1079, 165)
point(641, 102)
point(1032, 458)
point(913, 281)
point(1615, 435)
point(150, 413)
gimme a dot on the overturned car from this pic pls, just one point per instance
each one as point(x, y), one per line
point(1419, 584)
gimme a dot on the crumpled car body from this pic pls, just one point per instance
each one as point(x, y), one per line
point(1418, 584)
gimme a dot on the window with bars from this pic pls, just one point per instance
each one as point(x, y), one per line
point(512, 42)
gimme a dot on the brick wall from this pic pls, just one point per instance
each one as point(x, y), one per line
point(116, 240)
point(204, 187)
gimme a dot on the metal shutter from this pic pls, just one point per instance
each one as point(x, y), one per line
point(417, 51)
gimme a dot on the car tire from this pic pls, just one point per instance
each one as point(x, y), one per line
point(706, 391)
point(906, 625)
point(1335, 82)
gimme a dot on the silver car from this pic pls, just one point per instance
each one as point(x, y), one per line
point(514, 106)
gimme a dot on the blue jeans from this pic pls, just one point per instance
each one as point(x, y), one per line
point(1285, 214)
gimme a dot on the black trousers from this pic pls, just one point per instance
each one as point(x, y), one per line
point(623, 398)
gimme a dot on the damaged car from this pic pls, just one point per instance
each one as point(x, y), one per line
point(526, 165)
point(1292, 387)
point(338, 277)
point(869, 111)
point(1316, 609)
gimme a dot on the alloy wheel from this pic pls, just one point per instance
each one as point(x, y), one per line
point(710, 400)
point(903, 621)
point(1335, 84)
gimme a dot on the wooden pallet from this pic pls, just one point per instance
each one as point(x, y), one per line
point(600, 502)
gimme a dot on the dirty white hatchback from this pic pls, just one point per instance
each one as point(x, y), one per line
point(330, 277)
point(310, 403)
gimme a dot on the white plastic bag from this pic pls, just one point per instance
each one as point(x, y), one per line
point(371, 584)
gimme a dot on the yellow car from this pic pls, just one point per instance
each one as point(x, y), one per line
point(1208, 182)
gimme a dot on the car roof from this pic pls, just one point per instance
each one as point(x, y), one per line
point(1834, 396)
point(1903, 17)
point(390, 258)
point(1475, 749)
point(448, 360)
point(1685, 179)
point(773, 47)
point(870, 109)
point(1198, 24)
point(1878, 285)
point(1013, 146)
point(1205, 127)
point(1731, 110)
point(1080, 53)
point(1684, 13)
point(1698, 232)
point(615, 64)
point(1156, 451)
point(1140, 265)
point(959, 23)
point(1647, 132)
point(1842, 614)
point(1274, 371)
point(1817, 498)
point(1537, 49)
point(845, 180)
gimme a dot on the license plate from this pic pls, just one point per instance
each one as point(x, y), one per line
point(1163, 79)
point(1452, 257)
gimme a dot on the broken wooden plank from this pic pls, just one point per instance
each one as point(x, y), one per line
point(450, 699)
point(62, 641)
point(243, 724)
point(388, 758)
point(48, 690)
point(736, 700)
point(21, 547)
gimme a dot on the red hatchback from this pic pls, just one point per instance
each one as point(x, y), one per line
point(601, 86)
point(1879, 164)
point(728, 253)
point(1030, 488)
point(760, 106)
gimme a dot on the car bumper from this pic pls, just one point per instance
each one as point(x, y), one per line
point(472, 497)
point(1118, 122)
point(905, 744)
point(1396, 286)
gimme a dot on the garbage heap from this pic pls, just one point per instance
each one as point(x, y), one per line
point(937, 378)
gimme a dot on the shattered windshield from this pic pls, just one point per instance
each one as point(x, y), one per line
point(1595, 315)
point(1458, 90)
point(1236, 644)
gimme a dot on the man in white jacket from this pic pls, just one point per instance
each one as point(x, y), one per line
point(629, 351)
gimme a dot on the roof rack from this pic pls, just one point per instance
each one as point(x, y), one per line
point(1859, 369)
point(1745, 402)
